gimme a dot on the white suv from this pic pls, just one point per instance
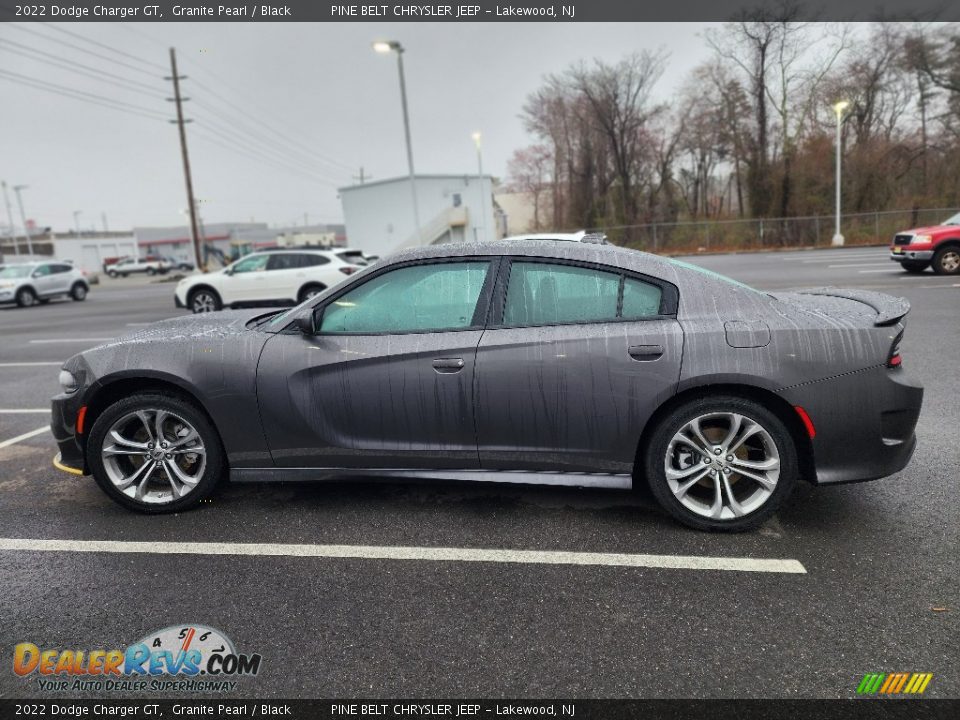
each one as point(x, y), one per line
point(29, 283)
point(270, 277)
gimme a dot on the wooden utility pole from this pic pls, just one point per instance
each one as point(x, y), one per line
point(361, 177)
point(191, 203)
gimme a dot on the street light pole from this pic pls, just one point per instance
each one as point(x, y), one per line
point(838, 108)
point(394, 46)
point(483, 200)
point(23, 217)
point(76, 221)
point(13, 231)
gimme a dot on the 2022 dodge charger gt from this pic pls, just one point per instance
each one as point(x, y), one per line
point(551, 362)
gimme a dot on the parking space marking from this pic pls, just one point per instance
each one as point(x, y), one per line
point(433, 554)
point(28, 364)
point(70, 340)
point(25, 436)
point(23, 411)
point(853, 265)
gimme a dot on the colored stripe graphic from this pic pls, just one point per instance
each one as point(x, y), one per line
point(894, 683)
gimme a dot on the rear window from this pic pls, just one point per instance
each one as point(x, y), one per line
point(714, 275)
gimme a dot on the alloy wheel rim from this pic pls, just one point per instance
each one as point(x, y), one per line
point(153, 456)
point(27, 298)
point(722, 465)
point(203, 303)
point(950, 261)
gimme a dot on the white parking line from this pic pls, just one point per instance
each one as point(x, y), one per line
point(29, 364)
point(372, 552)
point(70, 340)
point(19, 411)
point(844, 258)
point(25, 436)
point(853, 265)
point(888, 270)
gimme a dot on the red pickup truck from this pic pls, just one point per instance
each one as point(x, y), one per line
point(937, 246)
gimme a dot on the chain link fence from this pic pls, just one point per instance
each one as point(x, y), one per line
point(874, 228)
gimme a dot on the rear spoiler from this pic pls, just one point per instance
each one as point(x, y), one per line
point(889, 308)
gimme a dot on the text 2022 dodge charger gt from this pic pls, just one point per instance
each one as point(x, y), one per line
point(564, 363)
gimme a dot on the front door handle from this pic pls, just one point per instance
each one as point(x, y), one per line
point(645, 353)
point(448, 365)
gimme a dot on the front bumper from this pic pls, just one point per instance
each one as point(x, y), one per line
point(177, 302)
point(864, 422)
point(64, 410)
point(911, 255)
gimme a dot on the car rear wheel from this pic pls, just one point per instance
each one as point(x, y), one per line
point(151, 271)
point(203, 301)
point(112, 273)
point(155, 453)
point(26, 297)
point(722, 463)
point(946, 261)
point(78, 292)
point(915, 266)
point(308, 291)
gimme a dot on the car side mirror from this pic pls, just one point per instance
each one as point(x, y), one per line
point(35, 274)
point(306, 324)
point(227, 271)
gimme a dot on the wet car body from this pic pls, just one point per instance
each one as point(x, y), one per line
point(565, 403)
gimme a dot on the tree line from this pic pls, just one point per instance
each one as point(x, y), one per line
point(751, 133)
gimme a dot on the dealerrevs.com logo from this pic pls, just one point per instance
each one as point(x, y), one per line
point(180, 658)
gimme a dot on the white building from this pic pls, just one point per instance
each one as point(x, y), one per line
point(453, 208)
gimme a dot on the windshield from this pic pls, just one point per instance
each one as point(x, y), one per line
point(715, 276)
point(15, 271)
point(955, 220)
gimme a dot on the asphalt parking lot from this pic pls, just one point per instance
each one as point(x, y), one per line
point(879, 592)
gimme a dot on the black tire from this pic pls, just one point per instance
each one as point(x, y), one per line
point(946, 261)
point(915, 266)
point(211, 475)
point(124, 274)
point(112, 273)
point(151, 271)
point(655, 456)
point(78, 292)
point(204, 300)
point(26, 297)
point(309, 290)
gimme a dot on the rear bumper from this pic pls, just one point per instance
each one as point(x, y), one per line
point(63, 426)
point(911, 255)
point(864, 422)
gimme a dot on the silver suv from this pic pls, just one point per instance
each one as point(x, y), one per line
point(27, 284)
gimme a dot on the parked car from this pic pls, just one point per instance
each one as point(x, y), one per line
point(552, 362)
point(937, 246)
point(149, 264)
point(176, 264)
point(27, 284)
point(276, 276)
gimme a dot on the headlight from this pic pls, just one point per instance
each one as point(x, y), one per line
point(921, 240)
point(67, 381)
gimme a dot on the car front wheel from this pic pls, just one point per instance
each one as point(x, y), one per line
point(946, 261)
point(26, 297)
point(78, 292)
point(155, 453)
point(722, 463)
point(203, 301)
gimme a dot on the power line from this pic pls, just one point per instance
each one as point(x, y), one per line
point(81, 49)
point(92, 98)
point(238, 134)
point(296, 147)
point(258, 156)
point(107, 47)
point(79, 68)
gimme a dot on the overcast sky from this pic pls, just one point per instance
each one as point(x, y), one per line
point(312, 96)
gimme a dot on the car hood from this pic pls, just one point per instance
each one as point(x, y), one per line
point(930, 230)
point(202, 326)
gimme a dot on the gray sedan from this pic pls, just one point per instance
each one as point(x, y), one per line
point(530, 361)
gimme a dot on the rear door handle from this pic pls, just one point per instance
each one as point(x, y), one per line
point(645, 353)
point(448, 365)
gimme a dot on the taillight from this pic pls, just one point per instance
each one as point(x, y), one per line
point(893, 359)
point(348, 269)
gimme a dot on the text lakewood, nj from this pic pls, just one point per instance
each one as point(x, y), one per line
point(451, 11)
